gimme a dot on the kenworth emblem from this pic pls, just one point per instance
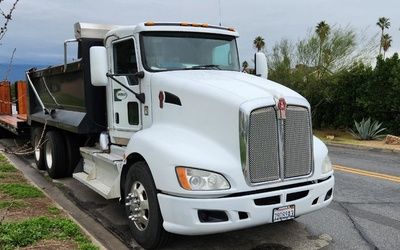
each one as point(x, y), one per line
point(282, 108)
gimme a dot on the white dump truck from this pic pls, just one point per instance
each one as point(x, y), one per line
point(160, 116)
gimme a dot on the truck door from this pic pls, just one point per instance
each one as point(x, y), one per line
point(125, 107)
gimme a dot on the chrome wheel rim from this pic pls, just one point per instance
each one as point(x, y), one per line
point(138, 206)
point(49, 156)
point(37, 149)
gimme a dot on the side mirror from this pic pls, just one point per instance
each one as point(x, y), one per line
point(261, 64)
point(98, 66)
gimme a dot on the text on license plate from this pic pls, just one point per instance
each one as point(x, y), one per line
point(283, 213)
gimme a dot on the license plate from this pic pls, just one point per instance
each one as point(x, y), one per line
point(283, 213)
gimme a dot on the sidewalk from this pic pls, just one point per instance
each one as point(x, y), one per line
point(373, 145)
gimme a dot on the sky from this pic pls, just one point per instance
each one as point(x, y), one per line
point(39, 27)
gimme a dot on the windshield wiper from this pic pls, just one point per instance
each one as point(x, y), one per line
point(207, 66)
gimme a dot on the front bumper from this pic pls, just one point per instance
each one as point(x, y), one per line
point(181, 214)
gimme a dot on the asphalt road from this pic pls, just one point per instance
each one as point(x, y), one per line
point(365, 213)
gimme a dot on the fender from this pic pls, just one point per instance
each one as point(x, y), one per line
point(164, 147)
point(320, 152)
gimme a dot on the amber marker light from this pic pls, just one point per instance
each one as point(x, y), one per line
point(184, 24)
point(204, 25)
point(182, 177)
point(150, 23)
point(231, 29)
point(196, 25)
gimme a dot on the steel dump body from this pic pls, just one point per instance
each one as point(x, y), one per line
point(75, 104)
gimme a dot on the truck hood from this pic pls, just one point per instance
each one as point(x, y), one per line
point(244, 86)
point(209, 106)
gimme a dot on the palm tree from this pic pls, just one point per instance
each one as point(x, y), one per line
point(322, 29)
point(383, 24)
point(245, 65)
point(386, 43)
point(259, 43)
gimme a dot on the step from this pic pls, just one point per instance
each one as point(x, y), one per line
point(95, 185)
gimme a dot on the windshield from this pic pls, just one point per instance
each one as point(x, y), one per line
point(182, 51)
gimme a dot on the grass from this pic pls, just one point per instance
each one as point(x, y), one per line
point(30, 231)
point(5, 166)
point(54, 210)
point(22, 229)
point(340, 136)
point(20, 190)
point(12, 204)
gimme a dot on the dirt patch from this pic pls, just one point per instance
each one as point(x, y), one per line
point(35, 207)
point(53, 244)
point(12, 177)
point(343, 137)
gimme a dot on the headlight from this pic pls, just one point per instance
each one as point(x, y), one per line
point(326, 165)
point(200, 180)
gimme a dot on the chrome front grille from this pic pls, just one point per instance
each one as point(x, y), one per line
point(297, 142)
point(263, 153)
point(276, 149)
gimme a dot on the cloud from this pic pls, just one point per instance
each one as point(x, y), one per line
point(40, 27)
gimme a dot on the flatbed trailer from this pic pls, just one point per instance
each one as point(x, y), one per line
point(13, 114)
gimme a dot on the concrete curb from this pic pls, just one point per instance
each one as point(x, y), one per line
point(340, 145)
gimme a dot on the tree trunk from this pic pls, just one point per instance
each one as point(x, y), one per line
point(380, 43)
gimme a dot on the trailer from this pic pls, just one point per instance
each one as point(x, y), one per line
point(13, 111)
point(159, 116)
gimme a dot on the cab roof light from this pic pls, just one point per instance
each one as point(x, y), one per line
point(187, 24)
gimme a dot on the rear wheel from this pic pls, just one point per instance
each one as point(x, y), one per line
point(72, 143)
point(54, 154)
point(37, 143)
point(142, 208)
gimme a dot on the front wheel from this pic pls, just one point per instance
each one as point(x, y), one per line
point(142, 208)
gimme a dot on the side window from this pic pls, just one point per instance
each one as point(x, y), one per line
point(125, 59)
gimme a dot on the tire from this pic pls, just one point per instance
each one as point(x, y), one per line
point(54, 154)
point(37, 143)
point(72, 144)
point(147, 230)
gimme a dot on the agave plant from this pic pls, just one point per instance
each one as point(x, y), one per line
point(367, 129)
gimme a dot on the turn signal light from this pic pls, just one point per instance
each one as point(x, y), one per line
point(182, 176)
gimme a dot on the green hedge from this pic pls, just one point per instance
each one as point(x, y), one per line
point(337, 99)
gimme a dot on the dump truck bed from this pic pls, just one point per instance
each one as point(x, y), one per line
point(71, 102)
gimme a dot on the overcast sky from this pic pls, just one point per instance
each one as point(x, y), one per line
point(39, 27)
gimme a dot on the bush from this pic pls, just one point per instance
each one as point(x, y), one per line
point(367, 129)
point(339, 98)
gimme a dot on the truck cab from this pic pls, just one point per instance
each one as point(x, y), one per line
point(190, 144)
